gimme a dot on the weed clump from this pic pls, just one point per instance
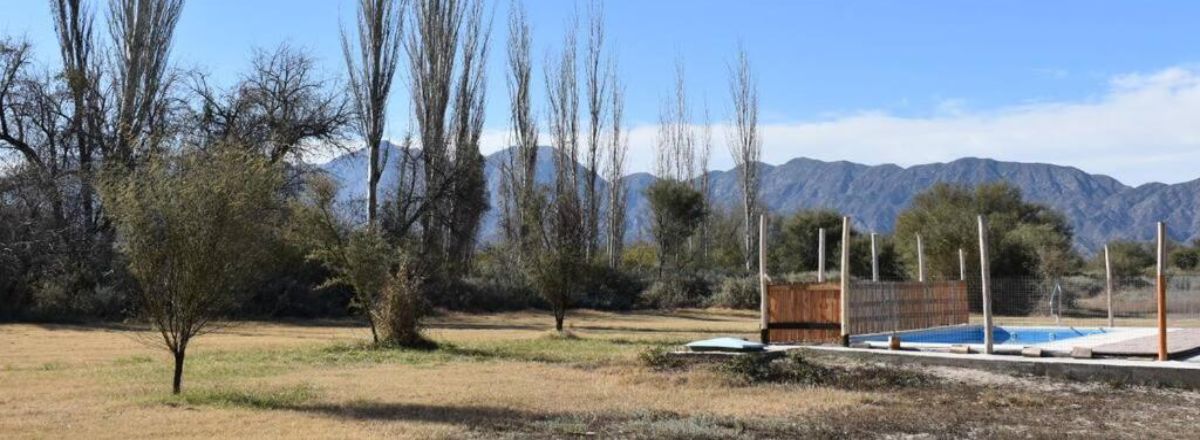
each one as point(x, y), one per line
point(795, 369)
point(659, 359)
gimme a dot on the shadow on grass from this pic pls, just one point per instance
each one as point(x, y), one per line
point(475, 416)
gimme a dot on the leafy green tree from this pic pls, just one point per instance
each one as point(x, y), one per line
point(1026, 238)
point(796, 249)
point(192, 226)
point(1185, 258)
point(677, 210)
point(1129, 258)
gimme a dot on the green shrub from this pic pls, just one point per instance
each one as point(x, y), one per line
point(677, 292)
point(737, 293)
point(610, 289)
point(659, 358)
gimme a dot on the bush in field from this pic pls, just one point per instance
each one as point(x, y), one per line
point(737, 293)
point(610, 289)
point(192, 226)
point(361, 258)
point(400, 306)
point(677, 291)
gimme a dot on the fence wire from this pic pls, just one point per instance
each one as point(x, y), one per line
point(1045, 309)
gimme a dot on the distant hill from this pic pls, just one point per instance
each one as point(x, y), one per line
point(1099, 207)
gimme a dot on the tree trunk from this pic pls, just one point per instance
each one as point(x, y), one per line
point(559, 315)
point(177, 383)
point(374, 333)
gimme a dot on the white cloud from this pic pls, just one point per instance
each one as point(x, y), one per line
point(1143, 128)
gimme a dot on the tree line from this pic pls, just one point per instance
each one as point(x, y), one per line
point(134, 189)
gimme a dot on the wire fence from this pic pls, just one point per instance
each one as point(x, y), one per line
point(1024, 309)
point(1085, 301)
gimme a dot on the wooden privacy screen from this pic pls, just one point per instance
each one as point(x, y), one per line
point(908, 305)
point(803, 313)
point(810, 313)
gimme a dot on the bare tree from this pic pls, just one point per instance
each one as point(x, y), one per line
point(141, 32)
point(562, 252)
point(73, 23)
point(676, 147)
point(702, 182)
point(745, 145)
point(32, 124)
point(595, 81)
point(447, 48)
point(618, 195)
point(522, 214)
point(371, 69)
point(281, 107)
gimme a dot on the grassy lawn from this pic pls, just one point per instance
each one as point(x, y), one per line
point(505, 375)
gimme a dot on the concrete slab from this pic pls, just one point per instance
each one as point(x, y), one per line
point(1180, 342)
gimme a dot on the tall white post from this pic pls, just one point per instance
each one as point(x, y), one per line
point(962, 265)
point(874, 259)
point(845, 287)
point(821, 255)
point(920, 260)
point(1161, 290)
point(762, 276)
point(1108, 285)
point(985, 277)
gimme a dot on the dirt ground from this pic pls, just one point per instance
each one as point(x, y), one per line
point(506, 376)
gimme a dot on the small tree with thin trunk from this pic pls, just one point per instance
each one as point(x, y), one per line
point(192, 226)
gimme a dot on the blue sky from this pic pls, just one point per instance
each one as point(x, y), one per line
point(1109, 87)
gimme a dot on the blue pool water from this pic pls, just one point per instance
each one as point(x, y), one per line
point(974, 335)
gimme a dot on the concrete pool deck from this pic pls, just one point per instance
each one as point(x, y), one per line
point(1184, 374)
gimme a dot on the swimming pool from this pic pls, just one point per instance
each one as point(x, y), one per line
point(973, 334)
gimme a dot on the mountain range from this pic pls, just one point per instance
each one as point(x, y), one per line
point(1099, 207)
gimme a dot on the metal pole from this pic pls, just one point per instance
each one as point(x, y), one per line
point(821, 255)
point(762, 277)
point(962, 265)
point(1161, 287)
point(1108, 285)
point(845, 288)
point(985, 277)
point(920, 260)
point(874, 259)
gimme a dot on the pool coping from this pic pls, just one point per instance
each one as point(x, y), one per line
point(1179, 374)
point(1063, 348)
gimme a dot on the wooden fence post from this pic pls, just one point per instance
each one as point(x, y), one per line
point(1161, 288)
point(1108, 285)
point(920, 260)
point(821, 255)
point(845, 270)
point(874, 259)
point(762, 278)
point(985, 282)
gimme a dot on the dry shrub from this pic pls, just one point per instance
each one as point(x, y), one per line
point(401, 306)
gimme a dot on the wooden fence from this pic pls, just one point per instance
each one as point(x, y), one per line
point(800, 312)
point(908, 305)
point(811, 313)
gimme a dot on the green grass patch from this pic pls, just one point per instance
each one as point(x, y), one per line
point(273, 398)
point(215, 367)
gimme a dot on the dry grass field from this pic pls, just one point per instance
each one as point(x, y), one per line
point(506, 376)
